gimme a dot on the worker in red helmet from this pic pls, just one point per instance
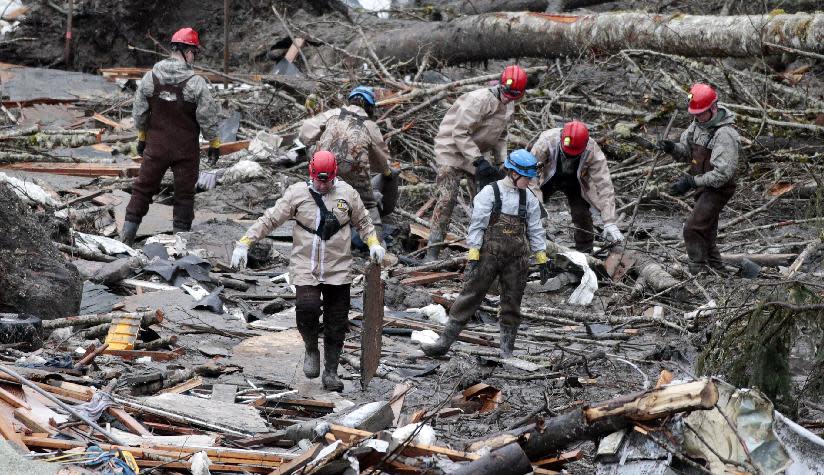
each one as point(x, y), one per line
point(172, 108)
point(573, 163)
point(324, 209)
point(711, 146)
point(471, 144)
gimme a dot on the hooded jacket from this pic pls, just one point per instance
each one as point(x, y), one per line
point(593, 174)
point(475, 126)
point(314, 261)
point(196, 91)
point(724, 143)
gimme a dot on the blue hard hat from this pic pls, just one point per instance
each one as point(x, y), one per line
point(365, 92)
point(523, 163)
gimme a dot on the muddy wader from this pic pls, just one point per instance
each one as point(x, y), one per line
point(701, 228)
point(505, 255)
point(171, 142)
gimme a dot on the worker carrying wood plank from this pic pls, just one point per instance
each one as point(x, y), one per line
point(471, 143)
point(324, 209)
point(572, 163)
point(172, 107)
point(711, 145)
point(353, 136)
point(506, 225)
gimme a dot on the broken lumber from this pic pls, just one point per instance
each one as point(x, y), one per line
point(77, 169)
point(599, 419)
point(541, 35)
point(150, 317)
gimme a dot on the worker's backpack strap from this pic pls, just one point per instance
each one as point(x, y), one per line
point(522, 204)
point(329, 224)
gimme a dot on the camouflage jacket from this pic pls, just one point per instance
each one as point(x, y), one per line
point(174, 71)
point(721, 137)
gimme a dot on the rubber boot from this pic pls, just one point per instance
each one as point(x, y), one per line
point(447, 338)
point(129, 233)
point(331, 358)
point(311, 359)
point(434, 251)
point(508, 334)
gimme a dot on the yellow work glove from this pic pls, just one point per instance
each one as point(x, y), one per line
point(543, 265)
point(472, 259)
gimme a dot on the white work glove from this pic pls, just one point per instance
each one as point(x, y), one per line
point(240, 256)
point(612, 233)
point(376, 252)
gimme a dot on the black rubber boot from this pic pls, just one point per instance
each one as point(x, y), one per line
point(447, 338)
point(508, 334)
point(311, 359)
point(331, 358)
point(433, 252)
point(129, 233)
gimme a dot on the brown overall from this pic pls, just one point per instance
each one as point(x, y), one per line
point(171, 142)
point(504, 254)
point(701, 228)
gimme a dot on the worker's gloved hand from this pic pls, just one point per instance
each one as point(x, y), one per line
point(391, 174)
point(612, 234)
point(543, 266)
point(141, 146)
point(473, 257)
point(214, 155)
point(240, 255)
point(485, 173)
point(376, 252)
point(666, 146)
point(685, 184)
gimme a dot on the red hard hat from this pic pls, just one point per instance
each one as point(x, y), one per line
point(187, 36)
point(574, 138)
point(513, 81)
point(702, 97)
point(323, 166)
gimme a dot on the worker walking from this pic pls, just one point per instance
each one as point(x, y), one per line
point(324, 208)
point(572, 163)
point(350, 133)
point(711, 145)
point(471, 144)
point(172, 108)
point(506, 225)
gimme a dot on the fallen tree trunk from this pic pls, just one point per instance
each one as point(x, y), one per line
point(541, 35)
point(602, 418)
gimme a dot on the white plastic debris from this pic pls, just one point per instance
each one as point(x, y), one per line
point(194, 289)
point(705, 310)
point(200, 464)
point(175, 244)
point(243, 171)
point(28, 191)
point(585, 291)
point(434, 312)
point(424, 336)
point(144, 359)
point(101, 244)
point(80, 350)
point(265, 145)
point(426, 436)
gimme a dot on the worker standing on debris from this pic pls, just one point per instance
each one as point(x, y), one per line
point(571, 162)
point(350, 133)
point(471, 143)
point(324, 208)
point(506, 224)
point(172, 107)
point(711, 146)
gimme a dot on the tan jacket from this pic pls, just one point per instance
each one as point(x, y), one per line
point(314, 261)
point(475, 125)
point(377, 152)
point(593, 174)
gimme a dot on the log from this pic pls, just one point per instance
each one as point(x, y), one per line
point(528, 34)
point(599, 419)
point(150, 317)
point(508, 460)
point(770, 260)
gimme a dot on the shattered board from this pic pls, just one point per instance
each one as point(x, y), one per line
point(372, 324)
point(239, 417)
point(29, 85)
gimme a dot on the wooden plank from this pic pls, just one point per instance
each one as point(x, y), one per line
point(30, 421)
point(8, 433)
point(154, 355)
point(215, 467)
point(230, 147)
point(181, 388)
point(105, 120)
point(224, 392)
point(565, 457)
point(127, 420)
point(77, 169)
point(430, 278)
point(372, 330)
point(299, 462)
point(13, 400)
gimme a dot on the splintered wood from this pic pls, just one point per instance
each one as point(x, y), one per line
point(372, 324)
